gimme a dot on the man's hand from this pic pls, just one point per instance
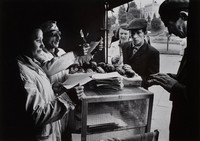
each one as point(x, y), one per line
point(76, 93)
point(84, 59)
point(58, 88)
point(100, 46)
point(116, 60)
point(163, 80)
point(79, 91)
point(83, 49)
point(86, 47)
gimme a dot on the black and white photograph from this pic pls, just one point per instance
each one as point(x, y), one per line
point(100, 70)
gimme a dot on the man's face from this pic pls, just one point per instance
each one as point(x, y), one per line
point(178, 28)
point(37, 43)
point(123, 35)
point(138, 37)
point(52, 39)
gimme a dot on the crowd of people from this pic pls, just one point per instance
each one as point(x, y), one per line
point(43, 66)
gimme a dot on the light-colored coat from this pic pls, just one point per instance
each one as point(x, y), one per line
point(56, 67)
point(44, 107)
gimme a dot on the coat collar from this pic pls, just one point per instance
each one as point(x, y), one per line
point(31, 63)
point(141, 50)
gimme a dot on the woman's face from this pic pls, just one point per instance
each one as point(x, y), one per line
point(123, 35)
point(38, 44)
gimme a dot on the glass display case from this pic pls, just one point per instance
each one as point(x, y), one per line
point(115, 114)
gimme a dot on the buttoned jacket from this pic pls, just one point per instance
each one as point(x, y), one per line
point(144, 62)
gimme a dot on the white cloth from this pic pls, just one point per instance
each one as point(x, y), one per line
point(114, 50)
point(56, 67)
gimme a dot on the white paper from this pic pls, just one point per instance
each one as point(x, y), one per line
point(105, 75)
point(75, 79)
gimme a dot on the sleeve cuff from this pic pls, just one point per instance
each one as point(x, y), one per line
point(178, 91)
point(64, 98)
point(172, 75)
point(70, 55)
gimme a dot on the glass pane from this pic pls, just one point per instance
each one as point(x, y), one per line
point(118, 115)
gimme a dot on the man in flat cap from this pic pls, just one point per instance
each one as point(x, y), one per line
point(142, 57)
point(184, 114)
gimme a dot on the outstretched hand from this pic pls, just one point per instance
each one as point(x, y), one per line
point(86, 47)
point(79, 91)
point(163, 80)
point(100, 46)
point(84, 59)
point(76, 93)
point(83, 49)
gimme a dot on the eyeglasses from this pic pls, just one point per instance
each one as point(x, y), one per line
point(53, 33)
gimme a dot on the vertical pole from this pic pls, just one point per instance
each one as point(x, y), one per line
point(168, 38)
point(106, 32)
point(140, 10)
point(149, 116)
point(84, 114)
point(152, 10)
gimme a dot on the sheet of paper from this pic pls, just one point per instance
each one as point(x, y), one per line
point(83, 78)
point(75, 79)
point(93, 45)
point(103, 119)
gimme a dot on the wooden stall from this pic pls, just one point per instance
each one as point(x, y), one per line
point(106, 114)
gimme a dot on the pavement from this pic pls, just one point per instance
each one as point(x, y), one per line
point(162, 105)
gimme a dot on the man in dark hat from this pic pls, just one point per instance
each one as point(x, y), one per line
point(142, 57)
point(184, 114)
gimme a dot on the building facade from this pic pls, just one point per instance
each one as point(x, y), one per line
point(150, 10)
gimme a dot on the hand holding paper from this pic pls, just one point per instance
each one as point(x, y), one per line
point(95, 46)
point(76, 93)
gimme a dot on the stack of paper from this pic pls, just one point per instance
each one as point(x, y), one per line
point(103, 81)
point(104, 122)
point(75, 79)
point(108, 81)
